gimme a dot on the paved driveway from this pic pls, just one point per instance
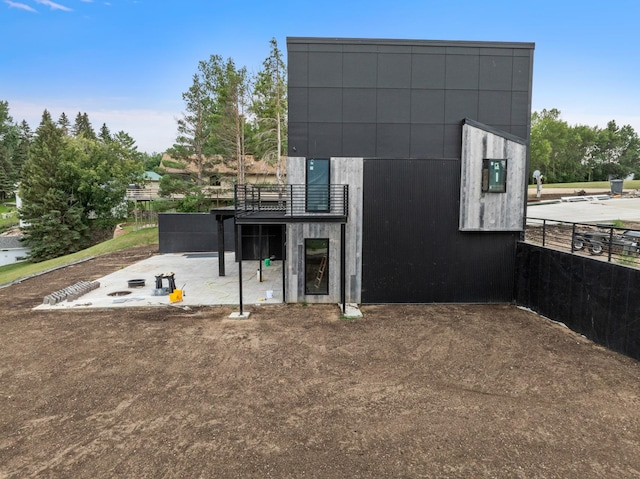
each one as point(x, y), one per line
point(595, 211)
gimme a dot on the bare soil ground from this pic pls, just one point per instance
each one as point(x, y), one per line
point(434, 391)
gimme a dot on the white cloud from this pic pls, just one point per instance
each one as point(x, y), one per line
point(54, 6)
point(20, 6)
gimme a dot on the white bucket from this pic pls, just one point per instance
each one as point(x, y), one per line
point(269, 294)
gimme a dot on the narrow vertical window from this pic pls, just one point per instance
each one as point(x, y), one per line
point(316, 266)
point(318, 185)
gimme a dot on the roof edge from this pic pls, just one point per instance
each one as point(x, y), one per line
point(495, 131)
point(408, 42)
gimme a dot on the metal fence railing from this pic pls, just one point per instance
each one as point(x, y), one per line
point(601, 241)
point(292, 200)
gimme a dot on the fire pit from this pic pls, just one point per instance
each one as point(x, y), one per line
point(119, 293)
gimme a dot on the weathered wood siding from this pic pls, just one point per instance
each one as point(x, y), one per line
point(344, 171)
point(483, 211)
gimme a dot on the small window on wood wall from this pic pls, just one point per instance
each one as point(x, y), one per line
point(316, 266)
point(494, 176)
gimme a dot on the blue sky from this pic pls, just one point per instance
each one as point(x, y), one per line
point(127, 62)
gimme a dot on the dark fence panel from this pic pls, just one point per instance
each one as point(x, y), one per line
point(594, 298)
point(192, 232)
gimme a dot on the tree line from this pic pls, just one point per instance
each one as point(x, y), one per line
point(72, 180)
point(229, 114)
point(566, 154)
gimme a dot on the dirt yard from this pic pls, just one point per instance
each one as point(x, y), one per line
point(296, 392)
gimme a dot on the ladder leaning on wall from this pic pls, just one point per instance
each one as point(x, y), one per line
point(321, 269)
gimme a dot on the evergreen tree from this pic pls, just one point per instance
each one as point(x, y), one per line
point(5, 119)
point(6, 185)
point(82, 127)
point(105, 134)
point(51, 211)
point(46, 117)
point(194, 128)
point(9, 140)
point(127, 144)
point(270, 109)
point(21, 154)
point(232, 87)
point(214, 123)
point(64, 123)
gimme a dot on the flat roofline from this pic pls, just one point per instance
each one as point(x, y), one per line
point(407, 42)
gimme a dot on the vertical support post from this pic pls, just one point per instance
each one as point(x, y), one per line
point(346, 200)
point(235, 198)
point(240, 267)
point(343, 262)
point(610, 242)
point(544, 231)
point(260, 255)
point(284, 263)
point(291, 202)
point(220, 220)
point(573, 237)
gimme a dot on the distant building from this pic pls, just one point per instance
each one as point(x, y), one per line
point(147, 191)
point(221, 179)
point(12, 250)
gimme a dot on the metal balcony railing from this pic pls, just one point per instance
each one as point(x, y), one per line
point(292, 201)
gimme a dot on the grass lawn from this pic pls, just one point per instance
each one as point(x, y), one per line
point(141, 237)
point(8, 216)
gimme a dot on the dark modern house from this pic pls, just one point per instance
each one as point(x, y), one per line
point(406, 172)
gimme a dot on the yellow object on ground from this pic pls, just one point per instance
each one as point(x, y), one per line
point(175, 296)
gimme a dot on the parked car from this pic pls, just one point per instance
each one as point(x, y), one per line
point(597, 242)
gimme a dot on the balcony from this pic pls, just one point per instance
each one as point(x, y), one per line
point(291, 203)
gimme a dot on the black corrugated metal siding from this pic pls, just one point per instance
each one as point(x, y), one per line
point(412, 249)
